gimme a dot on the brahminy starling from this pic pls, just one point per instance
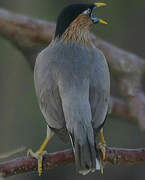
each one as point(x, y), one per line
point(72, 83)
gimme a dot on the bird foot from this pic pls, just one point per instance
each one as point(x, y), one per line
point(102, 148)
point(39, 156)
point(102, 168)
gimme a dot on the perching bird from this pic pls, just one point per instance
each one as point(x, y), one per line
point(72, 83)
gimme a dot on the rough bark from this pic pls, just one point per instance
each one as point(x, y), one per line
point(114, 156)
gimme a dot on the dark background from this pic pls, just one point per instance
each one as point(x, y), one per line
point(21, 123)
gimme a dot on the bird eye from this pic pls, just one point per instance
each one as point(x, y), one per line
point(88, 11)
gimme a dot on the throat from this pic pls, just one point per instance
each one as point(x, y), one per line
point(76, 35)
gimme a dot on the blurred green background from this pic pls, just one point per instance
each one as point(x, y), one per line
point(21, 123)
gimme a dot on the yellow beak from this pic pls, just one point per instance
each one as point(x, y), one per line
point(102, 22)
point(100, 4)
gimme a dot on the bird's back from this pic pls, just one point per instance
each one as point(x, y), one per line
point(72, 85)
point(70, 65)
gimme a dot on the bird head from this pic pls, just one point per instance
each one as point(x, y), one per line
point(79, 15)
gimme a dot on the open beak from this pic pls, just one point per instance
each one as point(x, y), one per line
point(102, 21)
point(97, 20)
point(100, 4)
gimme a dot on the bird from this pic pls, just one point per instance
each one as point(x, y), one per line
point(72, 83)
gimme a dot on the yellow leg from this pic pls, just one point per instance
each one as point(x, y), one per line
point(102, 146)
point(39, 154)
point(43, 146)
point(102, 139)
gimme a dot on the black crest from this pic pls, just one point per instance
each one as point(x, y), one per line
point(68, 14)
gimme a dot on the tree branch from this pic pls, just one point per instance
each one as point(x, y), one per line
point(114, 156)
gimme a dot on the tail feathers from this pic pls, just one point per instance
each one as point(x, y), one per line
point(84, 149)
point(78, 116)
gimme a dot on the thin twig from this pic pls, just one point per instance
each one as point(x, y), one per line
point(11, 153)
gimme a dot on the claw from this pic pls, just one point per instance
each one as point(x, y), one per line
point(102, 168)
point(39, 156)
point(102, 147)
point(40, 165)
point(29, 152)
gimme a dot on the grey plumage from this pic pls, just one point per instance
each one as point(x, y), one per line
point(72, 84)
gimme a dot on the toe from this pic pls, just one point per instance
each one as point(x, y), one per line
point(40, 165)
point(39, 156)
